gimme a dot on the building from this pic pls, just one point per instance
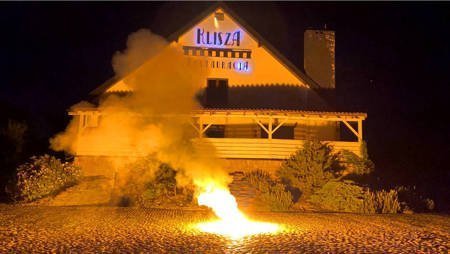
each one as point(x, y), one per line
point(258, 108)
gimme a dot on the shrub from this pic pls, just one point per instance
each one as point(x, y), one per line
point(429, 204)
point(12, 142)
point(259, 179)
point(15, 133)
point(411, 199)
point(141, 173)
point(165, 180)
point(163, 190)
point(43, 176)
point(163, 184)
point(381, 202)
point(308, 169)
point(341, 196)
point(347, 196)
point(151, 182)
point(355, 164)
point(272, 194)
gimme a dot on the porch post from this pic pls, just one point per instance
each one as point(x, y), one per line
point(200, 127)
point(360, 131)
point(80, 129)
point(269, 134)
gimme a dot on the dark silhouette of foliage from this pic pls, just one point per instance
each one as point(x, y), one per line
point(12, 146)
point(355, 164)
point(308, 169)
point(413, 201)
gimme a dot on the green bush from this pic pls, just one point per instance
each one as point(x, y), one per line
point(151, 182)
point(141, 173)
point(381, 202)
point(272, 194)
point(259, 179)
point(347, 196)
point(163, 190)
point(341, 196)
point(43, 176)
point(163, 184)
point(310, 168)
point(355, 164)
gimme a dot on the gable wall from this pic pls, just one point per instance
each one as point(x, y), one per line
point(263, 68)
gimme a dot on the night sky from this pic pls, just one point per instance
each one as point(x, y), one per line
point(392, 62)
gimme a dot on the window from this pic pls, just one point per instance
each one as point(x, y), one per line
point(217, 93)
point(284, 132)
point(215, 131)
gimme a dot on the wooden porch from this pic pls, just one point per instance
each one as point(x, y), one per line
point(271, 121)
point(257, 137)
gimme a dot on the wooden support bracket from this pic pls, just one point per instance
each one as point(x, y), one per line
point(262, 126)
point(206, 127)
point(357, 134)
point(193, 125)
point(280, 124)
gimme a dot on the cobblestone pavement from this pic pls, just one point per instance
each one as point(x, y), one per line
point(109, 229)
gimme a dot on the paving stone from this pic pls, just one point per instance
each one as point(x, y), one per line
point(93, 229)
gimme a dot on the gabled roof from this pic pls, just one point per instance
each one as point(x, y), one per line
point(271, 49)
point(261, 41)
point(103, 87)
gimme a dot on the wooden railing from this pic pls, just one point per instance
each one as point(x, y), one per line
point(241, 148)
point(231, 148)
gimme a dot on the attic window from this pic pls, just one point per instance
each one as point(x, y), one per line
point(219, 16)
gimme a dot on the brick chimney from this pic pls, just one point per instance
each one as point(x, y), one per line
point(319, 51)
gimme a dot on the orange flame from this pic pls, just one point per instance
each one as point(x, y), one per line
point(232, 222)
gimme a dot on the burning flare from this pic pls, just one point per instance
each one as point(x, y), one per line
point(232, 222)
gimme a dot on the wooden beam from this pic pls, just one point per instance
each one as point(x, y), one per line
point(352, 129)
point(80, 129)
point(262, 126)
point(269, 134)
point(193, 125)
point(206, 128)
point(280, 124)
point(360, 131)
point(200, 127)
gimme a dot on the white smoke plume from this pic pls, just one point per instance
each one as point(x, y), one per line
point(154, 118)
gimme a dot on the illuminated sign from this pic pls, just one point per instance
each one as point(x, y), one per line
point(218, 38)
point(220, 49)
point(239, 65)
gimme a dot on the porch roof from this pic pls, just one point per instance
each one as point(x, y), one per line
point(328, 115)
point(245, 112)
